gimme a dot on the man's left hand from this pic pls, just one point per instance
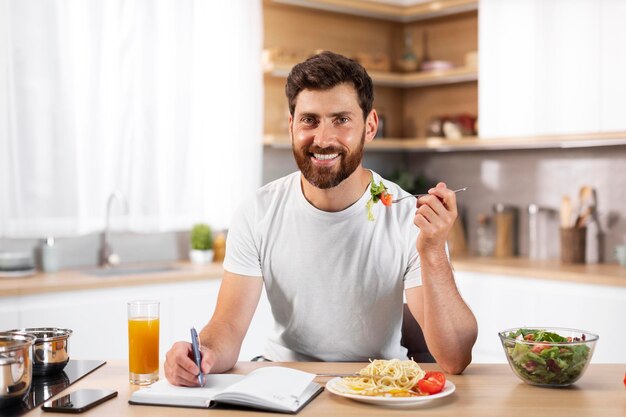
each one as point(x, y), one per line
point(435, 216)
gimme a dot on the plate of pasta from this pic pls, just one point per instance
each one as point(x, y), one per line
point(392, 383)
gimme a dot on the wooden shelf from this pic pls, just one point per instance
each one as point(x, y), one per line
point(392, 79)
point(477, 144)
point(388, 11)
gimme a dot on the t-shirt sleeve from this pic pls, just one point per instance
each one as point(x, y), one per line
point(242, 254)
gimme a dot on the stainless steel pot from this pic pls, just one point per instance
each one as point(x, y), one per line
point(16, 367)
point(50, 354)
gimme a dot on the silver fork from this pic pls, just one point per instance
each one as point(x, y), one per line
point(421, 195)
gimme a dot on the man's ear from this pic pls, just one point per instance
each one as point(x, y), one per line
point(371, 125)
point(290, 127)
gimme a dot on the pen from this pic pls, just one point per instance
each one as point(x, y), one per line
point(197, 356)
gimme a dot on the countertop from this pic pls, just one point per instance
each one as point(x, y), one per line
point(611, 274)
point(72, 280)
point(483, 390)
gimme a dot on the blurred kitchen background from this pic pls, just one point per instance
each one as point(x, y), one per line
point(179, 107)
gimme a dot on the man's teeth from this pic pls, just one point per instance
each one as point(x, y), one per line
point(325, 156)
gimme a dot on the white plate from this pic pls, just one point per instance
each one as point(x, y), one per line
point(336, 386)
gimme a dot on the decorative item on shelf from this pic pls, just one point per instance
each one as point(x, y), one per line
point(452, 127)
point(429, 64)
point(471, 59)
point(373, 62)
point(408, 62)
point(201, 244)
point(281, 55)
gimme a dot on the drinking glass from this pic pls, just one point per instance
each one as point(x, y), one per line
point(143, 341)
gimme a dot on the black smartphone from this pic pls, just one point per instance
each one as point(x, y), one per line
point(79, 400)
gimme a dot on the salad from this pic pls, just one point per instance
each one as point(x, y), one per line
point(379, 193)
point(557, 361)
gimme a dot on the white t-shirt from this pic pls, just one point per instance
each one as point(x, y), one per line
point(334, 281)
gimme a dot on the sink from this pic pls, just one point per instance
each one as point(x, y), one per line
point(113, 272)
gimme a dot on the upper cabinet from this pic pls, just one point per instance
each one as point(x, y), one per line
point(379, 35)
point(552, 68)
point(551, 73)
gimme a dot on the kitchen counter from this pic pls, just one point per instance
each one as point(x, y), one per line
point(602, 274)
point(72, 280)
point(483, 390)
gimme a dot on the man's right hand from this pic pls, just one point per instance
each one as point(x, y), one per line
point(180, 367)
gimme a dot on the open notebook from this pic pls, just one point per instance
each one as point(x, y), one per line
point(274, 388)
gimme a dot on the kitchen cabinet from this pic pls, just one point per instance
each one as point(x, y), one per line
point(407, 101)
point(541, 86)
point(98, 317)
point(500, 302)
point(551, 68)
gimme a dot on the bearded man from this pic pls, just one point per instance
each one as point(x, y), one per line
point(335, 281)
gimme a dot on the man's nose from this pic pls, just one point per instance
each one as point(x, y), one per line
point(325, 135)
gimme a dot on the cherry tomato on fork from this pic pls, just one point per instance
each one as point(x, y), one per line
point(432, 383)
point(386, 198)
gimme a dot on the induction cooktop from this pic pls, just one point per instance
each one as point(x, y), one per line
point(46, 387)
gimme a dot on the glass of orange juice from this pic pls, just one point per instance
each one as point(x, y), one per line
point(143, 341)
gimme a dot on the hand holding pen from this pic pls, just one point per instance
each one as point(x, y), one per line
point(197, 355)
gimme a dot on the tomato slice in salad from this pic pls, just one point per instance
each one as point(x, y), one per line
point(432, 383)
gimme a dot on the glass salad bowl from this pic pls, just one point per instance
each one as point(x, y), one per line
point(548, 356)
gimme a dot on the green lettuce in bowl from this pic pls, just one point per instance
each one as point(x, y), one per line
point(550, 357)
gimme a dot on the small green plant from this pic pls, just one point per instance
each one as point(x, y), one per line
point(201, 237)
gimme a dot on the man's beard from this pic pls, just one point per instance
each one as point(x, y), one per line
point(324, 177)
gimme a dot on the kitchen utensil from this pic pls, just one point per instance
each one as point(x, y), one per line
point(16, 367)
point(566, 212)
point(422, 195)
point(548, 363)
point(573, 245)
point(586, 206)
point(49, 352)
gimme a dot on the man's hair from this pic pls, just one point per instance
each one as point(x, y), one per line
point(325, 71)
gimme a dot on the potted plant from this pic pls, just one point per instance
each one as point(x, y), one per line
point(201, 244)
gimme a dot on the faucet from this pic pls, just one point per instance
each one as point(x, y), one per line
point(108, 258)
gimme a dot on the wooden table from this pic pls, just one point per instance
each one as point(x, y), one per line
point(483, 390)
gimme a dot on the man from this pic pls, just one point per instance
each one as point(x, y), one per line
point(334, 280)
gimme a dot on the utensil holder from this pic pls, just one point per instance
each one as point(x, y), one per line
point(573, 245)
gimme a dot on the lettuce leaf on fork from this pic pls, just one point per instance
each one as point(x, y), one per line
point(376, 191)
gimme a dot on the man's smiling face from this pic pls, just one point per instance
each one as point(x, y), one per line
point(328, 134)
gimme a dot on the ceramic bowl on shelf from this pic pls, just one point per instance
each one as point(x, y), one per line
point(548, 356)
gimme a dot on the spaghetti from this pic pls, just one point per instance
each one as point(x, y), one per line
point(386, 378)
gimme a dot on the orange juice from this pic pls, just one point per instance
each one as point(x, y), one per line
point(143, 345)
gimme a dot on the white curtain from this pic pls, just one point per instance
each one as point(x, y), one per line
point(160, 99)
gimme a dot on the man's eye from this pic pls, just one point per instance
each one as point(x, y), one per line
point(342, 120)
point(308, 120)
